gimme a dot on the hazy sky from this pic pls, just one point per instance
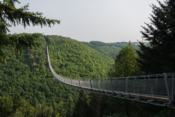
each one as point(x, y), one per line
point(86, 20)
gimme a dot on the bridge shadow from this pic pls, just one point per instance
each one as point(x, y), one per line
point(93, 105)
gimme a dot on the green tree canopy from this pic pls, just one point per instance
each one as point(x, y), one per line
point(159, 55)
point(126, 62)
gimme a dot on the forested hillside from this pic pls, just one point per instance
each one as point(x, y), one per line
point(110, 49)
point(75, 59)
point(27, 89)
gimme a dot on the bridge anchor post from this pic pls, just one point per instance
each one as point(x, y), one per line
point(172, 94)
point(170, 89)
point(173, 100)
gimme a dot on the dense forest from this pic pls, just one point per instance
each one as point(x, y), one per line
point(27, 88)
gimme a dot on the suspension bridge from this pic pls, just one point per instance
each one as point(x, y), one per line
point(156, 89)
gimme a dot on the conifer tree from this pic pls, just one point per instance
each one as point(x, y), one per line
point(10, 15)
point(159, 55)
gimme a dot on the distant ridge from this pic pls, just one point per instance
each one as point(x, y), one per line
point(110, 49)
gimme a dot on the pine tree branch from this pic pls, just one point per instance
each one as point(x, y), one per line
point(22, 16)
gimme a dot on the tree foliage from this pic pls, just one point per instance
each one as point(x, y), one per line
point(126, 62)
point(159, 55)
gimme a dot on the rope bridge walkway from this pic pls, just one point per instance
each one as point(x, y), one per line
point(157, 89)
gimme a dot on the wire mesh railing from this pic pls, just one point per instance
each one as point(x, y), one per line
point(158, 86)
